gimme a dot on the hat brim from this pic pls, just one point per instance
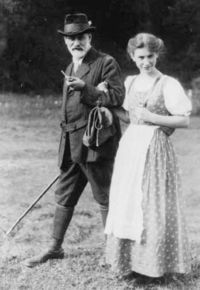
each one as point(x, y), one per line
point(73, 33)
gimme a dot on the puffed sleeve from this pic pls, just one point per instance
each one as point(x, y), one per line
point(176, 101)
point(127, 83)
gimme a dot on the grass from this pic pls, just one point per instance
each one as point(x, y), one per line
point(29, 137)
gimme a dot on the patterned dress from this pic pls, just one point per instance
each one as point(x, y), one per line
point(145, 225)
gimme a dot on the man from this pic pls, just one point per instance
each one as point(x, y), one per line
point(91, 77)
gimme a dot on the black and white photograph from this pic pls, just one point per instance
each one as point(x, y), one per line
point(99, 144)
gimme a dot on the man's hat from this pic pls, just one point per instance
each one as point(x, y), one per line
point(76, 24)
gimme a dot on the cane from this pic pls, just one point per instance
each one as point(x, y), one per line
point(31, 206)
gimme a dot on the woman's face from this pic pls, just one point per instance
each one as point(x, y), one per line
point(145, 60)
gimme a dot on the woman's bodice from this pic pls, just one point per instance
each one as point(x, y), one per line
point(153, 100)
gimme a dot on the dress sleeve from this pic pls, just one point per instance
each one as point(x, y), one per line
point(127, 84)
point(176, 101)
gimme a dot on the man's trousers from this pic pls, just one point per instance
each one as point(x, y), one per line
point(74, 178)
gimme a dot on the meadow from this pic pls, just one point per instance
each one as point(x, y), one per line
point(29, 138)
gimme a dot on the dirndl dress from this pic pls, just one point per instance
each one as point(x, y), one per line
point(146, 229)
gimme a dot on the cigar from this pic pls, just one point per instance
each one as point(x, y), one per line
point(69, 78)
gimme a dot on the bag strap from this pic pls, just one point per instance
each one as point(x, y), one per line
point(95, 122)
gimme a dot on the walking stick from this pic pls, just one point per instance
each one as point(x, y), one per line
point(31, 206)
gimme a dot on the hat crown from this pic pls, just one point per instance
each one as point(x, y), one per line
point(76, 18)
point(75, 24)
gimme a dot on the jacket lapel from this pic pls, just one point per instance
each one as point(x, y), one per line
point(68, 73)
point(69, 69)
point(82, 70)
point(85, 66)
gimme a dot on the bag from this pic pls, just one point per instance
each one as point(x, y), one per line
point(99, 128)
point(167, 130)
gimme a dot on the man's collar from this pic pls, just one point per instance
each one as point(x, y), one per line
point(90, 56)
point(77, 60)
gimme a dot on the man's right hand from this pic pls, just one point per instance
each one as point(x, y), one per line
point(75, 83)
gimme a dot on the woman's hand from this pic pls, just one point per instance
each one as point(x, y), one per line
point(143, 114)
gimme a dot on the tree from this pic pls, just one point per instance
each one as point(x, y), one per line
point(35, 53)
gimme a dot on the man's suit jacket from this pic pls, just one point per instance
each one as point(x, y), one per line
point(95, 68)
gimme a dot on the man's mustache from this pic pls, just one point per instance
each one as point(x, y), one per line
point(77, 48)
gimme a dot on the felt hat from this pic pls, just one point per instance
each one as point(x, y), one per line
point(75, 24)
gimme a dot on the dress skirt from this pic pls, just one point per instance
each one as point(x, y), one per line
point(146, 224)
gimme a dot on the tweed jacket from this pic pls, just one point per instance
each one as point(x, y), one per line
point(95, 68)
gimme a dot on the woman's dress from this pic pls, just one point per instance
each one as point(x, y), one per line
point(146, 225)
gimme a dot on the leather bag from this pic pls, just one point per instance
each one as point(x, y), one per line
point(100, 127)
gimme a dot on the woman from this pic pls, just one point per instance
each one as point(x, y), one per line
point(145, 226)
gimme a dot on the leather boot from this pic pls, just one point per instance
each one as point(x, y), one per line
point(104, 213)
point(61, 222)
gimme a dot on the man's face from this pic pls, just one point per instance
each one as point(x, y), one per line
point(78, 45)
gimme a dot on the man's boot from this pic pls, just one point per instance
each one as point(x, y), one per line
point(61, 222)
point(104, 213)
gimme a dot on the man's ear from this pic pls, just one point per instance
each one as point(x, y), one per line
point(90, 36)
point(65, 40)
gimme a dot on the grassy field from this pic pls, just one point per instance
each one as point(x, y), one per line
point(29, 136)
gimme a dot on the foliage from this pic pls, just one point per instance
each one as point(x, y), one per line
point(35, 53)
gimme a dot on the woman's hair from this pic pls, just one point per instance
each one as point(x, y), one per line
point(150, 41)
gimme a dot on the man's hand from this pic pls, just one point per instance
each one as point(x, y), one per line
point(103, 86)
point(74, 83)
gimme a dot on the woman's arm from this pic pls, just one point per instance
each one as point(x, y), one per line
point(171, 121)
point(160, 120)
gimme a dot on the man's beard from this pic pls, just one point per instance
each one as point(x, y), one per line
point(78, 53)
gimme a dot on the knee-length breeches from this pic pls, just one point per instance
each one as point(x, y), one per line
point(74, 178)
